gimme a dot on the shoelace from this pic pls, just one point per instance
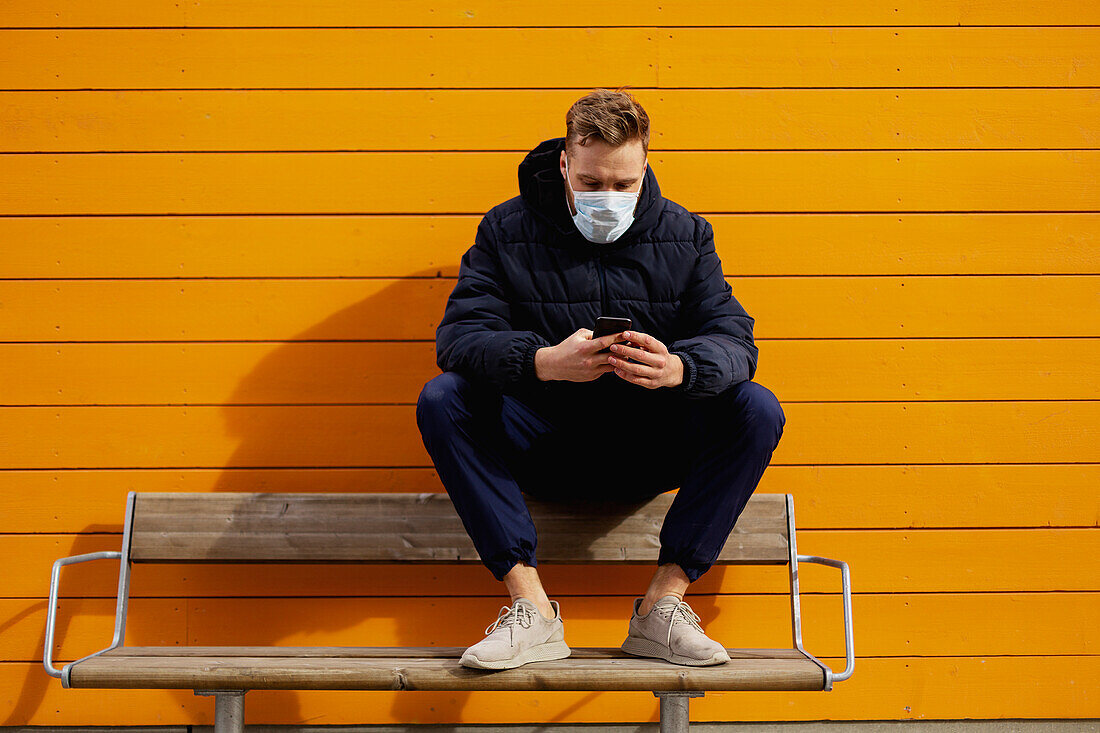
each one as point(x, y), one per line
point(510, 617)
point(680, 613)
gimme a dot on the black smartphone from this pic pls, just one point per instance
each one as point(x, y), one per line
point(607, 325)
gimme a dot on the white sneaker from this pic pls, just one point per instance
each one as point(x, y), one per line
point(519, 635)
point(671, 631)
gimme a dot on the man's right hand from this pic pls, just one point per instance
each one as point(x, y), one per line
point(576, 359)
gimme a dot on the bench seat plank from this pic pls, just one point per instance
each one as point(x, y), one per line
point(432, 668)
point(393, 652)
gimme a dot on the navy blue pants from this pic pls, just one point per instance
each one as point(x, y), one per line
point(490, 449)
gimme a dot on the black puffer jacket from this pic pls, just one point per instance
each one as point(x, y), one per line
point(531, 279)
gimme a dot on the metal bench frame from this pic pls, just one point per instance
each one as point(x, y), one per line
point(229, 704)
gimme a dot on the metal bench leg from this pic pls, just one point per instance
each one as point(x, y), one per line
point(674, 710)
point(228, 710)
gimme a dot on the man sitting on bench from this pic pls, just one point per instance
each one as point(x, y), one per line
point(530, 402)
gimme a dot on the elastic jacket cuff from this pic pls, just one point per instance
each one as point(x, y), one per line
point(690, 372)
point(527, 373)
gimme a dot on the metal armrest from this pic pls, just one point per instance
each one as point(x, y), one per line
point(51, 612)
point(846, 584)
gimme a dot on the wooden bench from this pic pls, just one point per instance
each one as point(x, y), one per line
point(423, 528)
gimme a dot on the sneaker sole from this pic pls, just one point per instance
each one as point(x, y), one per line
point(539, 653)
point(646, 648)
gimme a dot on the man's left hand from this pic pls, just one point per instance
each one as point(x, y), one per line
point(657, 367)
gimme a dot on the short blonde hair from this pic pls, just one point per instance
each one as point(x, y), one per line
point(613, 116)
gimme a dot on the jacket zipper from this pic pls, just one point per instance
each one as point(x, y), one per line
point(603, 286)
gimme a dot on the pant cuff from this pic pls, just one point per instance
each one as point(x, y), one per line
point(500, 564)
point(692, 569)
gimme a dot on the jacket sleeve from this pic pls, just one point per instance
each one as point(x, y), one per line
point(720, 352)
point(475, 337)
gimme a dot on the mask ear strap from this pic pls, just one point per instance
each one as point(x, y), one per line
point(571, 191)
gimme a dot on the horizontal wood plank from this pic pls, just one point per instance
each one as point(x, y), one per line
point(85, 625)
point(395, 372)
point(452, 13)
point(825, 497)
point(340, 57)
point(373, 527)
point(887, 624)
point(387, 435)
point(906, 688)
point(885, 56)
point(697, 119)
point(400, 246)
point(760, 669)
point(424, 183)
point(384, 309)
point(887, 561)
point(530, 57)
point(581, 654)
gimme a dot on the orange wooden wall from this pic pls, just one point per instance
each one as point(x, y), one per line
point(228, 230)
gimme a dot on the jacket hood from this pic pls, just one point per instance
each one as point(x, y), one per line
point(543, 191)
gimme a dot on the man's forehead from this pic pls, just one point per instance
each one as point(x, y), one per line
point(600, 160)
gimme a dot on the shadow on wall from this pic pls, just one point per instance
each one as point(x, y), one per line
point(30, 698)
point(283, 371)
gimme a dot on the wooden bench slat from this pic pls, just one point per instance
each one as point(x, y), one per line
point(341, 527)
point(394, 652)
point(602, 669)
point(389, 548)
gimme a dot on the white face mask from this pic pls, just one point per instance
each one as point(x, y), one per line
point(603, 216)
